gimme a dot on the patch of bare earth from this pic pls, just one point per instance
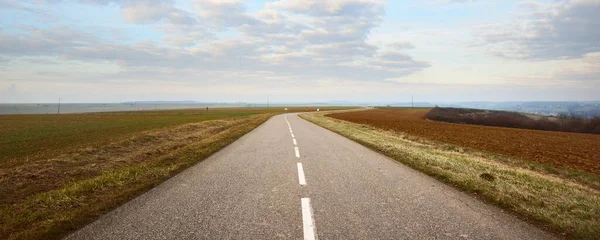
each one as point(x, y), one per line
point(563, 201)
point(560, 149)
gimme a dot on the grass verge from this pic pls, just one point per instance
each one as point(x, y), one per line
point(559, 204)
point(25, 138)
point(95, 180)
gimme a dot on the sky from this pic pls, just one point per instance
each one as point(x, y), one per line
point(299, 50)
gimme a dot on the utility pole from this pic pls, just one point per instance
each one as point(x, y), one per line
point(59, 106)
point(412, 98)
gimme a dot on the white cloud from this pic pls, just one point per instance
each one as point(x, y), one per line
point(580, 70)
point(9, 93)
point(401, 45)
point(561, 30)
point(312, 39)
point(530, 5)
point(307, 43)
point(224, 13)
point(329, 7)
point(147, 12)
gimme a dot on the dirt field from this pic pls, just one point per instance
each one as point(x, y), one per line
point(560, 149)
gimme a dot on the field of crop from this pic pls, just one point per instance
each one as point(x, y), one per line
point(59, 172)
point(563, 201)
point(560, 149)
point(31, 137)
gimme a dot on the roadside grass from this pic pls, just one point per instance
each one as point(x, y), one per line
point(30, 137)
point(126, 173)
point(24, 137)
point(559, 151)
point(558, 203)
point(60, 172)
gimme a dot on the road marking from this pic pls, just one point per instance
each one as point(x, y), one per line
point(288, 123)
point(301, 177)
point(297, 152)
point(295, 143)
point(293, 136)
point(307, 219)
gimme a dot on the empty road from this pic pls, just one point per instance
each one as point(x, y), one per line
point(291, 179)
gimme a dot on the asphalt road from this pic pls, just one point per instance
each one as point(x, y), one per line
point(298, 180)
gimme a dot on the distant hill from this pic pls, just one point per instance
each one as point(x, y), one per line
point(162, 102)
point(550, 108)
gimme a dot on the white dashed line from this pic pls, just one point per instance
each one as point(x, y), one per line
point(301, 177)
point(307, 219)
point(310, 232)
point(288, 123)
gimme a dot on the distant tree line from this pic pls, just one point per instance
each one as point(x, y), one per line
point(565, 122)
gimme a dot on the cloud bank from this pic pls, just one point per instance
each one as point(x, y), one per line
point(558, 30)
point(300, 50)
point(302, 39)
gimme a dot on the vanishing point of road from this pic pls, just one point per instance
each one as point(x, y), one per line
point(291, 179)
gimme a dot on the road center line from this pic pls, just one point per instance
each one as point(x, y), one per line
point(301, 177)
point(308, 221)
point(288, 123)
point(297, 152)
point(295, 143)
point(293, 136)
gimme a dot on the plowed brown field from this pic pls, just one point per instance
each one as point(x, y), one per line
point(561, 149)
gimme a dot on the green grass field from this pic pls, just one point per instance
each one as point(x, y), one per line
point(60, 172)
point(30, 137)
